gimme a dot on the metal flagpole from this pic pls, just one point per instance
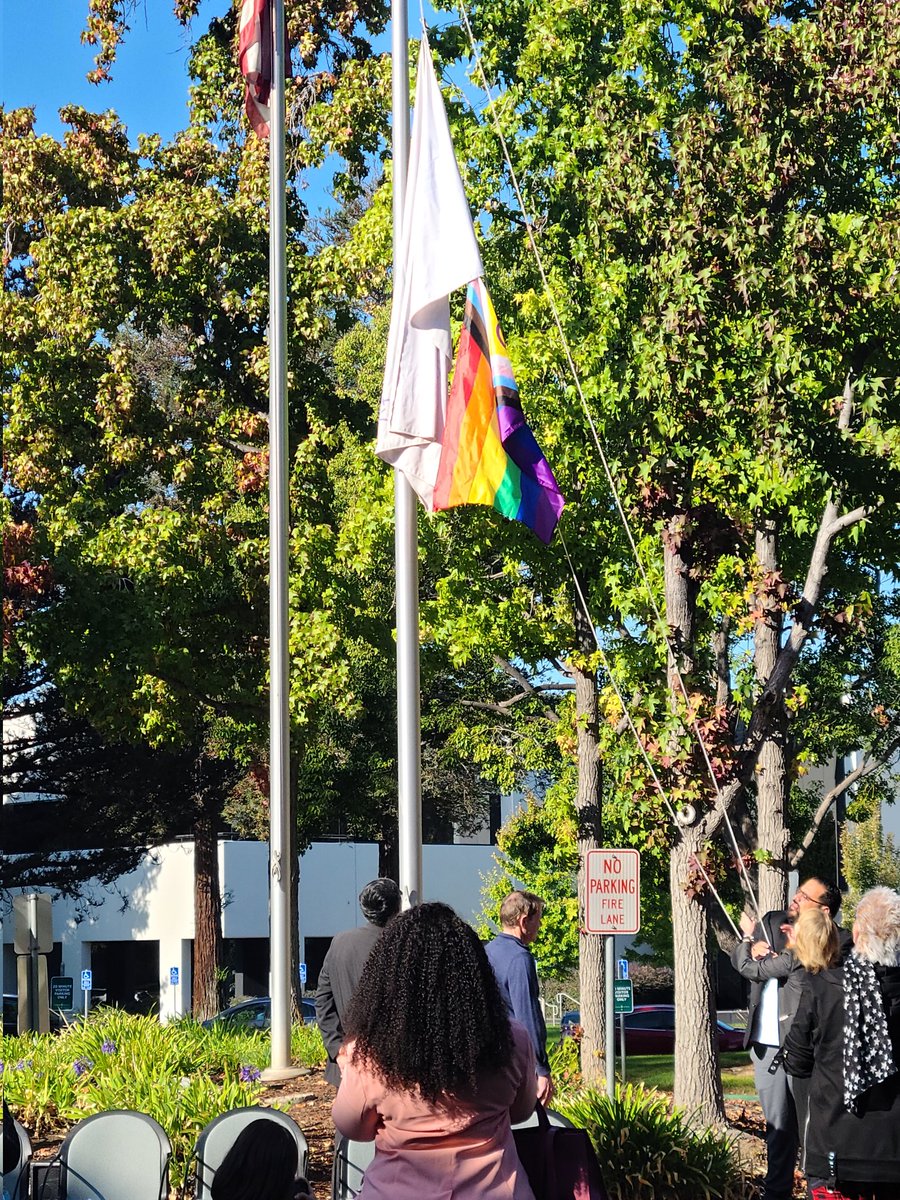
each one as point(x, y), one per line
point(280, 839)
point(406, 551)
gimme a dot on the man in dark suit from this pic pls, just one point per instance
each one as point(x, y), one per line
point(343, 966)
point(765, 1032)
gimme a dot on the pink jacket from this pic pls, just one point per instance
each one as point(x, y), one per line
point(464, 1151)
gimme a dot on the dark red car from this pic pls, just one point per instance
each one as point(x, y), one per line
point(650, 1029)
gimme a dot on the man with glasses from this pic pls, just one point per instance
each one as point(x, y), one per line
point(765, 1032)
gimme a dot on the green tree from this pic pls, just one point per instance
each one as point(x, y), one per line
point(134, 366)
point(715, 189)
point(871, 858)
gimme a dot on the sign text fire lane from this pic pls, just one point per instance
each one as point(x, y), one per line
point(613, 879)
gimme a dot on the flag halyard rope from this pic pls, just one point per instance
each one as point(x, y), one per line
point(626, 712)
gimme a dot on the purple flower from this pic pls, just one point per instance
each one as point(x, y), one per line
point(108, 1047)
point(23, 1063)
point(249, 1074)
point(2, 1066)
point(81, 1066)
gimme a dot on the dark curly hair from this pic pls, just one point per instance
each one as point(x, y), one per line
point(428, 1016)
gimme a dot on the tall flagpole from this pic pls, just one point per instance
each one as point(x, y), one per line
point(280, 839)
point(406, 550)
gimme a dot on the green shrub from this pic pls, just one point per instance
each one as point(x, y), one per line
point(648, 1151)
point(307, 1046)
point(565, 1068)
point(180, 1074)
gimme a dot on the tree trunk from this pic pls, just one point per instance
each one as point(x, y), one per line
point(698, 1085)
point(588, 804)
point(681, 601)
point(773, 834)
point(207, 918)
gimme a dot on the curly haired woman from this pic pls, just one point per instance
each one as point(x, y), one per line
point(433, 1070)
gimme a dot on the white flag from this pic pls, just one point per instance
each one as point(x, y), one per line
point(438, 254)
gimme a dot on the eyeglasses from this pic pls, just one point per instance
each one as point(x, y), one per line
point(801, 895)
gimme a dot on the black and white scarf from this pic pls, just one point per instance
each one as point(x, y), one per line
point(868, 1058)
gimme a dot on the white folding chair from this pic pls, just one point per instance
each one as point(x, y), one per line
point(116, 1155)
point(15, 1165)
point(217, 1138)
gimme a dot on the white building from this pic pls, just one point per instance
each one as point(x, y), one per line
point(137, 936)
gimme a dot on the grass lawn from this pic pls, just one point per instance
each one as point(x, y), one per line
point(658, 1071)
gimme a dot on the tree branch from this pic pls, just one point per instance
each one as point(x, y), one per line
point(865, 769)
point(503, 706)
point(722, 673)
point(854, 516)
point(529, 689)
point(830, 524)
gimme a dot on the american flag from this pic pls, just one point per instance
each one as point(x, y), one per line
point(255, 59)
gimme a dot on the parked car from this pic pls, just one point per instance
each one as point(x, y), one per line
point(58, 1020)
point(10, 1015)
point(650, 1029)
point(256, 1014)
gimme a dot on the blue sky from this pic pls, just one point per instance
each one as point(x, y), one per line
point(43, 64)
point(46, 68)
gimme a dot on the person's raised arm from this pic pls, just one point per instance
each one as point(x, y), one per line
point(760, 970)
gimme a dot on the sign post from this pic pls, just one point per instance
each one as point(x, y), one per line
point(87, 982)
point(613, 906)
point(623, 1002)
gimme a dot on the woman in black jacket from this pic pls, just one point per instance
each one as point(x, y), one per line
point(846, 1037)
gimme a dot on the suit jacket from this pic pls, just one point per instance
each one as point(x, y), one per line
point(338, 980)
point(771, 923)
point(759, 973)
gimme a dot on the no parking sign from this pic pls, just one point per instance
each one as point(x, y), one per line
point(613, 879)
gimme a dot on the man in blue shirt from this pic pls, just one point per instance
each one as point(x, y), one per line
point(513, 963)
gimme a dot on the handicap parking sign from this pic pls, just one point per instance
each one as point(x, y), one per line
point(87, 980)
point(173, 974)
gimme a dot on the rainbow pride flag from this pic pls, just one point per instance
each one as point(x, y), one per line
point(488, 453)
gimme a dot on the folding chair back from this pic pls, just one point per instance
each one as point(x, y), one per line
point(16, 1157)
point(220, 1135)
point(116, 1155)
point(349, 1167)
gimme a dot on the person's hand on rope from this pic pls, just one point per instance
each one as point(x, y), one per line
point(748, 924)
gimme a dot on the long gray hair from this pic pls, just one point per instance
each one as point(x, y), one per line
point(876, 927)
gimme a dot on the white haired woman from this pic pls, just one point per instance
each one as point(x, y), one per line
point(846, 1036)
